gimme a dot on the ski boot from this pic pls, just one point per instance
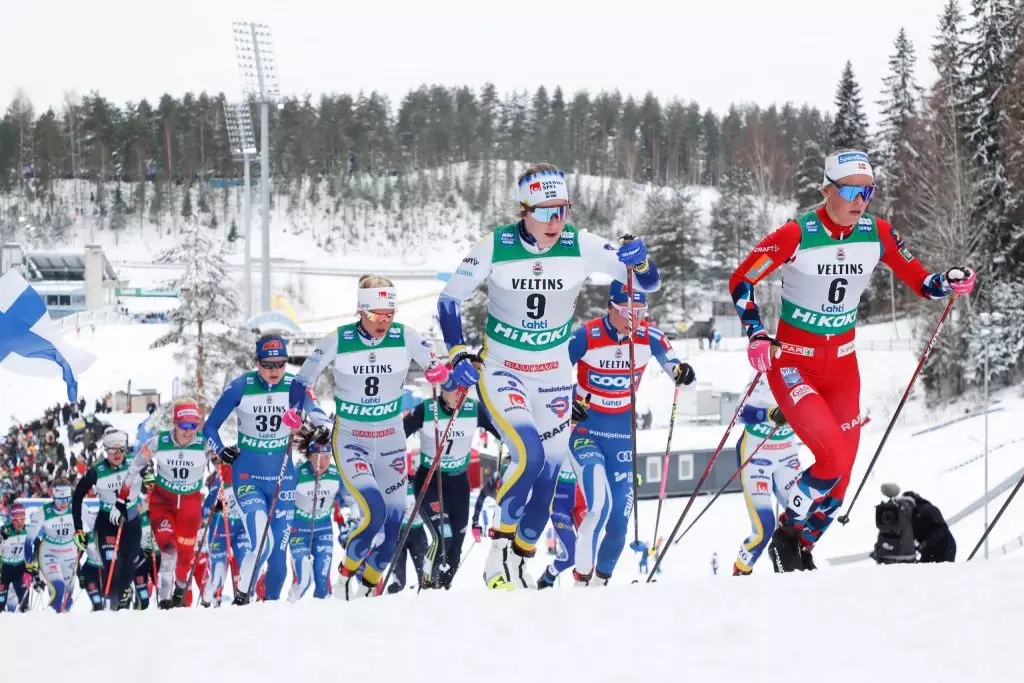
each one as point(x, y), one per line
point(498, 566)
point(178, 596)
point(125, 600)
point(736, 571)
point(241, 599)
point(164, 604)
point(546, 580)
point(784, 549)
point(581, 580)
point(350, 587)
point(600, 579)
point(808, 559)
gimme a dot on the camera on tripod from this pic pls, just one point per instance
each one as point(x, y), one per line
point(895, 542)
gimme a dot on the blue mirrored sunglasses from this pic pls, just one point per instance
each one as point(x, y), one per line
point(547, 213)
point(188, 425)
point(851, 192)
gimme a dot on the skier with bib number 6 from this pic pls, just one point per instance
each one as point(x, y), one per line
point(826, 257)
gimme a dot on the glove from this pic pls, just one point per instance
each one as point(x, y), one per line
point(291, 419)
point(959, 280)
point(465, 373)
point(228, 454)
point(81, 580)
point(636, 546)
point(477, 534)
point(32, 569)
point(633, 253)
point(437, 373)
point(759, 351)
point(118, 512)
point(776, 416)
point(684, 374)
point(38, 583)
point(80, 540)
point(320, 435)
point(579, 409)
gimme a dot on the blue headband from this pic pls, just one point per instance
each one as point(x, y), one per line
point(617, 294)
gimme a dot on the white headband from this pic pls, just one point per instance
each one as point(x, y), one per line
point(60, 492)
point(378, 298)
point(842, 164)
point(542, 186)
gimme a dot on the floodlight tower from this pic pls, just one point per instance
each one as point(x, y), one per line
point(243, 148)
point(254, 49)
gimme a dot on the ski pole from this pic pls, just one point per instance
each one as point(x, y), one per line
point(198, 551)
point(113, 560)
point(222, 496)
point(700, 483)
point(844, 518)
point(726, 484)
point(626, 239)
point(67, 591)
point(440, 489)
point(270, 514)
point(403, 535)
point(996, 519)
point(664, 462)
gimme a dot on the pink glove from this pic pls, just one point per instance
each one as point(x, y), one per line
point(437, 374)
point(960, 279)
point(291, 419)
point(759, 352)
point(477, 533)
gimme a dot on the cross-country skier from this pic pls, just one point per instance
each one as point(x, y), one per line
point(489, 489)
point(146, 566)
point(12, 558)
point(826, 257)
point(212, 580)
point(119, 511)
point(568, 509)
point(179, 459)
point(602, 446)
point(534, 270)
point(266, 417)
point(415, 546)
point(370, 359)
point(50, 554)
point(771, 473)
point(312, 540)
point(91, 567)
point(452, 474)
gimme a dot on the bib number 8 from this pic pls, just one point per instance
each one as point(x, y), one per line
point(837, 291)
point(372, 386)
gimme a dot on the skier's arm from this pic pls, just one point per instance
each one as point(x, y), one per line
point(661, 349)
point(302, 397)
point(752, 414)
point(484, 422)
point(770, 253)
point(34, 527)
point(906, 267)
point(467, 277)
point(479, 507)
point(601, 256)
point(139, 462)
point(87, 481)
point(413, 422)
point(317, 362)
point(419, 349)
point(211, 497)
point(577, 344)
point(225, 405)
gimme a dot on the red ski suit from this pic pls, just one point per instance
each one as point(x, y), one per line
point(816, 380)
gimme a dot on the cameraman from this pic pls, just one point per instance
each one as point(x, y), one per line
point(934, 540)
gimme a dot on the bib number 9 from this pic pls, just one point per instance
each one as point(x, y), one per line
point(535, 305)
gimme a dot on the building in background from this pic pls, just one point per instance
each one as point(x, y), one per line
point(69, 282)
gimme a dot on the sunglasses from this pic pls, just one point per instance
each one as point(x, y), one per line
point(187, 426)
point(276, 365)
point(375, 317)
point(851, 192)
point(638, 311)
point(547, 213)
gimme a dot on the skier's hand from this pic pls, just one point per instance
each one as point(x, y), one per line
point(291, 419)
point(477, 534)
point(776, 416)
point(759, 351)
point(633, 253)
point(579, 409)
point(464, 368)
point(119, 510)
point(636, 546)
point(684, 374)
point(959, 280)
point(32, 569)
point(228, 454)
point(437, 373)
point(80, 540)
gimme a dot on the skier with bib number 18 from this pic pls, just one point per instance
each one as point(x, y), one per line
point(826, 257)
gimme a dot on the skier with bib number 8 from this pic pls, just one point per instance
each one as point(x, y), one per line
point(826, 258)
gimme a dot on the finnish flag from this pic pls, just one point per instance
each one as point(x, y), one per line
point(30, 343)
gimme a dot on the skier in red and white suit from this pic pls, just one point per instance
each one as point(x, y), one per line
point(826, 257)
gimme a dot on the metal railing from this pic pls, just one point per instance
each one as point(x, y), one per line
point(83, 318)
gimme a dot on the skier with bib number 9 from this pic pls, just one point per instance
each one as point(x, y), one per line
point(534, 270)
point(826, 257)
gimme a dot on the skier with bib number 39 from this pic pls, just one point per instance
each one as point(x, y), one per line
point(826, 257)
point(534, 270)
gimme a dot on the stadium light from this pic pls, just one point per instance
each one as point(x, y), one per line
point(243, 148)
point(254, 50)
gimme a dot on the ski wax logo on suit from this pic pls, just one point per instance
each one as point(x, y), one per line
point(800, 392)
point(559, 406)
point(538, 269)
point(758, 270)
point(840, 254)
point(762, 487)
point(791, 376)
point(398, 465)
point(517, 400)
point(372, 358)
point(618, 352)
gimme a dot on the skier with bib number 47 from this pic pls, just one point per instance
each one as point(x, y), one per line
point(826, 257)
point(534, 270)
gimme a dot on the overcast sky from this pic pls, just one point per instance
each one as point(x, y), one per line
point(714, 52)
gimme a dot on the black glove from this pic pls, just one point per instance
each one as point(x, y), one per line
point(81, 580)
point(320, 435)
point(579, 409)
point(776, 416)
point(684, 374)
point(228, 454)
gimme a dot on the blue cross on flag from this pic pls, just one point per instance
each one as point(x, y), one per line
point(30, 343)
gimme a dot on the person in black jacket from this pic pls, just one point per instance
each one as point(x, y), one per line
point(935, 541)
point(447, 528)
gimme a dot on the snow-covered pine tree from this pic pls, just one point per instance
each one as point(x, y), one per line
point(675, 241)
point(732, 225)
point(213, 344)
point(809, 175)
point(900, 100)
point(850, 127)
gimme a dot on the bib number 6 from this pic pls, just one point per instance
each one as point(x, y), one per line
point(837, 290)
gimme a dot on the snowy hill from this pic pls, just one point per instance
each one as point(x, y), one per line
point(936, 623)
